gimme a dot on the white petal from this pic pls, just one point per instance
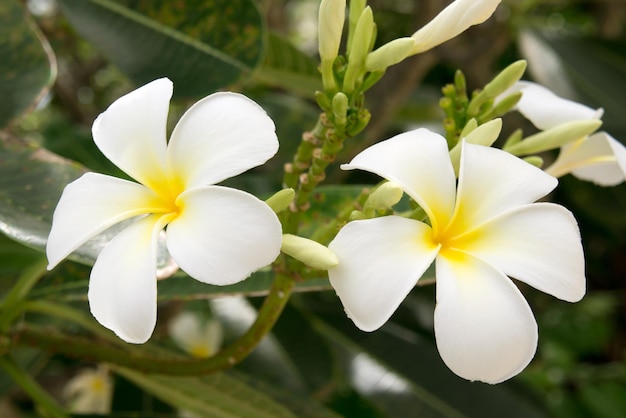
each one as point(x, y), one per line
point(484, 328)
point(91, 204)
point(219, 137)
point(546, 110)
point(418, 161)
point(538, 244)
point(197, 337)
point(600, 158)
point(492, 181)
point(122, 287)
point(454, 19)
point(380, 261)
point(223, 235)
point(131, 132)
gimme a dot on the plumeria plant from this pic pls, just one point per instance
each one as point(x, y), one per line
point(463, 209)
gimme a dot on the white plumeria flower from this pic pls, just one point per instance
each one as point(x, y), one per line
point(451, 21)
point(218, 235)
point(479, 233)
point(199, 338)
point(90, 392)
point(598, 158)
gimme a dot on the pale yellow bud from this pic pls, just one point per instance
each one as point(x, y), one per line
point(309, 252)
point(332, 14)
point(280, 200)
point(454, 19)
point(389, 54)
point(485, 134)
point(384, 197)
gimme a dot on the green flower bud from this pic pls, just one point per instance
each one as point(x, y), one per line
point(356, 8)
point(281, 200)
point(340, 108)
point(384, 197)
point(389, 54)
point(309, 252)
point(502, 82)
point(554, 137)
point(535, 160)
point(361, 45)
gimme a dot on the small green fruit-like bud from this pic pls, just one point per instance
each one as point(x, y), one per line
point(389, 54)
point(340, 108)
point(554, 137)
point(281, 200)
point(332, 14)
point(535, 160)
point(469, 127)
point(384, 197)
point(356, 8)
point(311, 253)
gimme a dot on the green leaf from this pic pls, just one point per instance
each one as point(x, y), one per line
point(200, 46)
point(31, 181)
point(287, 67)
point(27, 67)
point(217, 395)
point(399, 370)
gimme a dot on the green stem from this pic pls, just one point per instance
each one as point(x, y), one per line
point(10, 307)
point(89, 350)
point(47, 406)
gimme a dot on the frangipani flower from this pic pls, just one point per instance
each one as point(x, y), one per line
point(197, 337)
point(456, 18)
point(598, 158)
point(218, 235)
point(90, 392)
point(478, 233)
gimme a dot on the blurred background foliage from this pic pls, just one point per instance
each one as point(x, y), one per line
point(63, 62)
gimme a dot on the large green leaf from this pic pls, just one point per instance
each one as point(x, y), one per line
point(222, 395)
point(399, 370)
point(27, 67)
point(287, 67)
point(201, 46)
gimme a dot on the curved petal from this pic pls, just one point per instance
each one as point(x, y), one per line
point(538, 244)
point(545, 110)
point(380, 261)
point(122, 287)
point(418, 161)
point(223, 235)
point(492, 181)
point(220, 136)
point(131, 132)
point(454, 19)
point(91, 204)
point(602, 160)
point(484, 327)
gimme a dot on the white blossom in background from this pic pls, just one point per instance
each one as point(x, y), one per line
point(598, 158)
point(477, 234)
point(197, 337)
point(90, 392)
point(216, 234)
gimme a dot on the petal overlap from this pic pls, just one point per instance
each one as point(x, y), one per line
point(223, 235)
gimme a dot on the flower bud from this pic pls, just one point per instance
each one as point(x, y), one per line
point(389, 54)
point(554, 137)
point(332, 14)
point(355, 9)
point(454, 19)
point(485, 134)
point(502, 82)
point(340, 108)
point(384, 197)
point(361, 45)
point(280, 200)
point(309, 252)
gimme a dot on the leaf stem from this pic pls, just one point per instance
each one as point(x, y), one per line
point(87, 349)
